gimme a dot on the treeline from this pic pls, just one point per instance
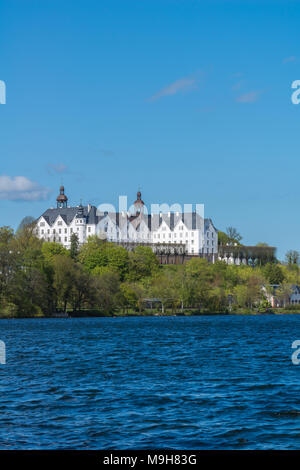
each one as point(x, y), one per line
point(42, 278)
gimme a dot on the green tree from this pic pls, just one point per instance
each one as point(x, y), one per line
point(165, 288)
point(200, 278)
point(128, 298)
point(142, 263)
point(249, 293)
point(283, 293)
point(292, 257)
point(273, 273)
point(234, 236)
point(29, 292)
point(64, 279)
point(107, 291)
point(223, 238)
point(8, 260)
point(83, 291)
point(117, 259)
point(27, 221)
point(93, 253)
point(52, 249)
point(74, 249)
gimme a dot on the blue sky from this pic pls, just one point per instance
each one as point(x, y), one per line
point(188, 99)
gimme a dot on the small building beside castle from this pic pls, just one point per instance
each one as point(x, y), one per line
point(189, 231)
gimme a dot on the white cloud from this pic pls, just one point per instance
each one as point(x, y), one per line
point(57, 168)
point(107, 153)
point(20, 188)
point(183, 84)
point(250, 97)
point(238, 85)
point(292, 58)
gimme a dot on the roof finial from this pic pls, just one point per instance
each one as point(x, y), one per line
point(62, 198)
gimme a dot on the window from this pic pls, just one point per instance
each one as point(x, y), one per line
point(42, 231)
point(89, 229)
point(59, 222)
point(66, 230)
point(66, 239)
point(42, 224)
point(59, 231)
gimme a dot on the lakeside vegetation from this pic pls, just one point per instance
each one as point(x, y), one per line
point(39, 278)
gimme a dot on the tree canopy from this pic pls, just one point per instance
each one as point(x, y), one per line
point(39, 277)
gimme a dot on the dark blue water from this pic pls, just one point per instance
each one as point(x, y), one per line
point(135, 383)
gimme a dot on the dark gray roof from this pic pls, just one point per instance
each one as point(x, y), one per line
point(207, 223)
point(68, 214)
point(295, 288)
point(192, 220)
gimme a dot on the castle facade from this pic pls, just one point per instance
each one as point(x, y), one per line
point(189, 231)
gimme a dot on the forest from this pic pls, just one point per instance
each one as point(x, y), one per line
point(39, 278)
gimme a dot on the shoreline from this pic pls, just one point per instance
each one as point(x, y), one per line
point(147, 315)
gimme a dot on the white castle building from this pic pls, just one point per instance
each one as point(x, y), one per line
point(197, 235)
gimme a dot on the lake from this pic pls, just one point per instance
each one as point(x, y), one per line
point(207, 382)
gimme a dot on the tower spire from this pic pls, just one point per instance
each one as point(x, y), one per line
point(139, 204)
point(62, 199)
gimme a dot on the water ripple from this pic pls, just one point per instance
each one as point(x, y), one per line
point(218, 382)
